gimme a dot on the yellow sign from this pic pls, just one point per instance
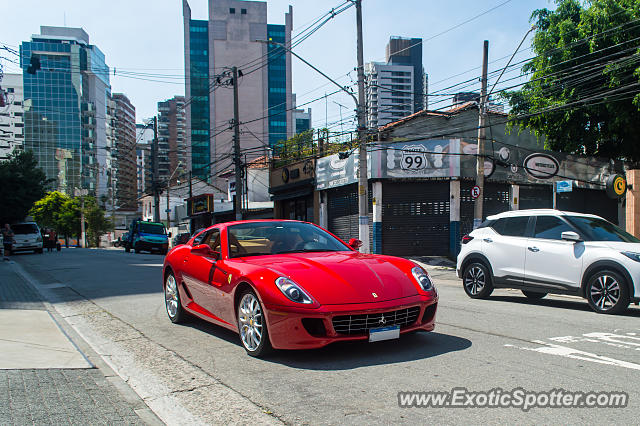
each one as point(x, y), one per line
point(619, 185)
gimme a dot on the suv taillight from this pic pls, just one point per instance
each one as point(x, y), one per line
point(466, 239)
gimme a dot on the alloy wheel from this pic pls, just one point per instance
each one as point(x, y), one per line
point(251, 323)
point(605, 292)
point(171, 296)
point(475, 280)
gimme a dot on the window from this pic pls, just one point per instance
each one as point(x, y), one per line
point(550, 228)
point(232, 10)
point(597, 229)
point(213, 239)
point(511, 226)
point(243, 11)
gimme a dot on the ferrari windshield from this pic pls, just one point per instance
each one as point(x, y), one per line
point(596, 229)
point(262, 238)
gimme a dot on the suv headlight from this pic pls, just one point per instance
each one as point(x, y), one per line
point(631, 255)
point(423, 278)
point(293, 291)
point(38, 239)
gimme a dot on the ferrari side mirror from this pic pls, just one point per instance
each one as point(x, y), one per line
point(206, 251)
point(355, 243)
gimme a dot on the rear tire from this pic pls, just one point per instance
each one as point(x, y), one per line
point(607, 292)
point(476, 281)
point(252, 325)
point(127, 249)
point(533, 294)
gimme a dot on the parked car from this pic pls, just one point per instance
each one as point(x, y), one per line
point(551, 251)
point(292, 285)
point(26, 237)
point(181, 238)
point(147, 236)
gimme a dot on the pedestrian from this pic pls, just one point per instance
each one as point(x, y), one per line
point(52, 240)
point(7, 238)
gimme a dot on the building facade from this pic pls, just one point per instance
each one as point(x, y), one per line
point(65, 108)
point(389, 93)
point(11, 116)
point(124, 167)
point(234, 35)
point(171, 138)
point(408, 51)
point(144, 139)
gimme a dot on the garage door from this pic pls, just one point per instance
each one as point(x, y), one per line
point(415, 218)
point(343, 212)
point(496, 200)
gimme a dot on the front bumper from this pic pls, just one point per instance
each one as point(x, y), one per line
point(287, 331)
point(151, 246)
point(26, 246)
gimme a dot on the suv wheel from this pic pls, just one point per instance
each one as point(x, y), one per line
point(607, 292)
point(476, 281)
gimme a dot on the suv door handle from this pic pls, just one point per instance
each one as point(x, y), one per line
point(533, 249)
point(488, 240)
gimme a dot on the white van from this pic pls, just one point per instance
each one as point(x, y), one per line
point(26, 236)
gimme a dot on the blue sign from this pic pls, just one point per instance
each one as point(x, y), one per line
point(564, 186)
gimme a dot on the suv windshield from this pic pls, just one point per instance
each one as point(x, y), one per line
point(152, 228)
point(24, 228)
point(261, 238)
point(596, 229)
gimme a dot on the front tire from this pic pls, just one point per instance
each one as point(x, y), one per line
point(476, 281)
point(252, 325)
point(533, 294)
point(137, 248)
point(172, 302)
point(607, 292)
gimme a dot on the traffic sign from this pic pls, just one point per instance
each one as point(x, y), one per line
point(475, 192)
point(564, 186)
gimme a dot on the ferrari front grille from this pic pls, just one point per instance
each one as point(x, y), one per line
point(360, 324)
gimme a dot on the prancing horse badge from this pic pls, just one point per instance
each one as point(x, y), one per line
point(374, 295)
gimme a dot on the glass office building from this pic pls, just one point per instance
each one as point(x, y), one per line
point(199, 97)
point(65, 108)
point(277, 77)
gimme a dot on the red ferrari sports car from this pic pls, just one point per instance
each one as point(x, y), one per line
point(292, 285)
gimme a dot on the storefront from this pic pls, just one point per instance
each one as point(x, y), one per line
point(292, 189)
point(200, 210)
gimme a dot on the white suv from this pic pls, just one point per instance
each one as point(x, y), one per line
point(26, 236)
point(550, 251)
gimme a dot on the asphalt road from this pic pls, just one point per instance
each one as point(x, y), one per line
point(504, 342)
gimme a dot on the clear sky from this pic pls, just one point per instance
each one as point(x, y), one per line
point(146, 36)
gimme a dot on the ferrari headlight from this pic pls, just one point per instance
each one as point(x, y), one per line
point(423, 278)
point(293, 291)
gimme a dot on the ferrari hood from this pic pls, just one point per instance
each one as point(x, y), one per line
point(343, 277)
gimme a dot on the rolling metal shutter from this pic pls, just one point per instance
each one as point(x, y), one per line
point(343, 212)
point(415, 218)
point(496, 200)
point(536, 197)
point(592, 201)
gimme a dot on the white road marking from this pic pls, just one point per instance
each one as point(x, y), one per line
point(553, 349)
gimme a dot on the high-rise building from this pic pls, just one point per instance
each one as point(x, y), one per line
point(234, 35)
point(124, 167)
point(144, 138)
point(65, 108)
point(408, 51)
point(398, 87)
point(11, 115)
point(301, 118)
point(389, 95)
point(172, 150)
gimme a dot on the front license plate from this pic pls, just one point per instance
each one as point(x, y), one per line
point(384, 333)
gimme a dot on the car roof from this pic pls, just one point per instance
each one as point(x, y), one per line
point(538, 212)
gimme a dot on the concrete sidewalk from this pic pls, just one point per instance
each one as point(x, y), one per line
point(48, 375)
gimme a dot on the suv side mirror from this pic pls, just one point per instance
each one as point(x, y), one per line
point(355, 243)
point(570, 236)
point(206, 251)
point(169, 234)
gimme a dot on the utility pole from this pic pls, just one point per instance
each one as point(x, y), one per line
point(83, 237)
point(154, 176)
point(363, 184)
point(477, 216)
point(236, 146)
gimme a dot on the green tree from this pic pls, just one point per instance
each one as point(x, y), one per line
point(96, 223)
point(58, 211)
point(22, 183)
point(584, 79)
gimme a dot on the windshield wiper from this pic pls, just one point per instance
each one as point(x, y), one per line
point(253, 254)
point(304, 251)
